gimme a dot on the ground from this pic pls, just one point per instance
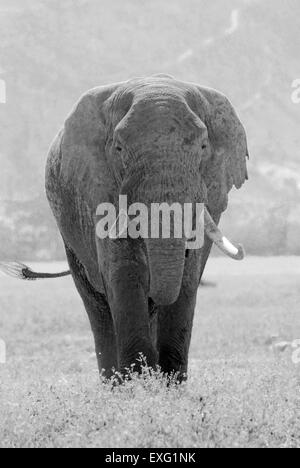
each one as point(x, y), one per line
point(243, 388)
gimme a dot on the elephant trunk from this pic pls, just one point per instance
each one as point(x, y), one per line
point(167, 186)
point(166, 262)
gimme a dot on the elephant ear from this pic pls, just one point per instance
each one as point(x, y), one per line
point(84, 139)
point(79, 174)
point(225, 165)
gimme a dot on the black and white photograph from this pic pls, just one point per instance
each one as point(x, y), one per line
point(150, 226)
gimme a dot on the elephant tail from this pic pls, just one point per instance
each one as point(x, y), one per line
point(23, 272)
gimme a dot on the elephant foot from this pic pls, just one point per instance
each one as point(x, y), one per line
point(145, 358)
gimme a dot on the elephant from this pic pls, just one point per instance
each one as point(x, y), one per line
point(156, 140)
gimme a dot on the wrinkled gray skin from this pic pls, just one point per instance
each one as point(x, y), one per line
point(156, 140)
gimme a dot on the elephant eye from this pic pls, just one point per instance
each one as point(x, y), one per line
point(119, 148)
point(204, 146)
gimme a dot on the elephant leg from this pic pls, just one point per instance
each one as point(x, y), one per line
point(99, 315)
point(129, 306)
point(174, 334)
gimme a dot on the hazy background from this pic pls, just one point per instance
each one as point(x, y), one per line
point(52, 51)
point(244, 380)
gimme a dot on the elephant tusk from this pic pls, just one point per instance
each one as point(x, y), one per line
point(120, 226)
point(214, 233)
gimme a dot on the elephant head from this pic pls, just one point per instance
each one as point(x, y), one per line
point(158, 140)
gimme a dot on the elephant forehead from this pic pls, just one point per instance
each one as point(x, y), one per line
point(159, 93)
point(149, 90)
point(160, 115)
point(154, 101)
point(162, 82)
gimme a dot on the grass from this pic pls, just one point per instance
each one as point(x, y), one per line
point(243, 391)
